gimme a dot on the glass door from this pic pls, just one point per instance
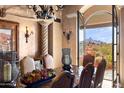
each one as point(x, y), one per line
point(81, 37)
point(102, 38)
point(115, 45)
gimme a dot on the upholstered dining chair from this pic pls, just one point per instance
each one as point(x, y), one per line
point(48, 62)
point(99, 74)
point(88, 59)
point(27, 65)
point(86, 76)
point(64, 80)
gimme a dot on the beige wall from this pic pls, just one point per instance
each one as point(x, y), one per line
point(122, 46)
point(70, 24)
point(30, 48)
point(57, 44)
point(57, 40)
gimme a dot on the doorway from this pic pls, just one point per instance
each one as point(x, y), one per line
point(98, 34)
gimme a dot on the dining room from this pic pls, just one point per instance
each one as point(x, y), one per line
point(61, 46)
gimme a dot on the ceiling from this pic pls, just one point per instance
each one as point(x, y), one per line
point(23, 10)
point(20, 10)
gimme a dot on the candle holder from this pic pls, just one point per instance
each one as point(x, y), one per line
point(67, 34)
point(27, 34)
point(66, 59)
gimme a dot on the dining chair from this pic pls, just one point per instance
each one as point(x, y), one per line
point(86, 76)
point(48, 62)
point(97, 83)
point(27, 65)
point(88, 59)
point(64, 80)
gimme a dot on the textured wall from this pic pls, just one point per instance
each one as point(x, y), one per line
point(70, 24)
point(57, 44)
point(30, 48)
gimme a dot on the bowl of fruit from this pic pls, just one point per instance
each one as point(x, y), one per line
point(37, 77)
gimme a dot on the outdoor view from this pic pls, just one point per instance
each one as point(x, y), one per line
point(97, 41)
point(5, 40)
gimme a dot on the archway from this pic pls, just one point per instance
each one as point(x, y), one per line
point(90, 22)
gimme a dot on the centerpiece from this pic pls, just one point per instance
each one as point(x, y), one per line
point(37, 77)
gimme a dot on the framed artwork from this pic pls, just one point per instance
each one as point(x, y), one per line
point(5, 40)
point(9, 36)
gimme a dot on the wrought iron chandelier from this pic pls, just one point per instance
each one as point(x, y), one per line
point(45, 11)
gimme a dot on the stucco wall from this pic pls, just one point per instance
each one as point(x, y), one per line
point(30, 48)
point(57, 44)
point(70, 24)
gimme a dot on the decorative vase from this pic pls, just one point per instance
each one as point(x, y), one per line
point(66, 59)
point(15, 71)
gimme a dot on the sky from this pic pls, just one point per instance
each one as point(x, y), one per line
point(6, 31)
point(103, 34)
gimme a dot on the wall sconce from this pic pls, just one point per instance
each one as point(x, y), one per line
point(67, 34)
point(27, 34)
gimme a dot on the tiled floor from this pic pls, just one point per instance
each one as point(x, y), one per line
point(108, 74)
point(107, 84)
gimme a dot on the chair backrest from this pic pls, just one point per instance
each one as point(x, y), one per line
point(27, 65)
point(48, 62)
point(64, 80)
point(86, 76)
point(100, 74)
point(88, 59)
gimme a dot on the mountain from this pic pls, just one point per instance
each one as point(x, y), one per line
point(4, 37)
point(90, 40)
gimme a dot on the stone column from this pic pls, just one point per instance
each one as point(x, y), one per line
point(44, 40)
point(47, 59)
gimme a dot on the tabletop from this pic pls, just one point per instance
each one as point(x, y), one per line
point(75, 69)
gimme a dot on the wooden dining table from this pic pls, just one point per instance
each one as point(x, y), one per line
point(75, 70)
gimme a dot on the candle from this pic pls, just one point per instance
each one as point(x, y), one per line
point(67, 60)
point(7, 72)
